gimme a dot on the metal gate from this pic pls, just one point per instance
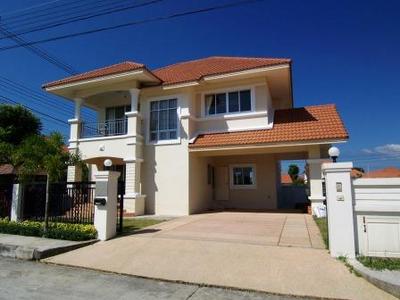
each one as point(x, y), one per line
point(5, 200)
point(120, 206)
point(71, 202)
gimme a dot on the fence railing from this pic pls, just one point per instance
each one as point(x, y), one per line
point(108, 128)
point(71, 202)
point(5, 200)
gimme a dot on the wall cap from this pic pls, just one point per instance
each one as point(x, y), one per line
point(337, 167)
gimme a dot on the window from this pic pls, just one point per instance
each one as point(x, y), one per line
point(117, 113)
point(163, 120)
point(235, 101)
point(243, 176)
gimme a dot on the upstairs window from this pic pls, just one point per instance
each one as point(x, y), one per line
point(229, 102)
point(163, 120)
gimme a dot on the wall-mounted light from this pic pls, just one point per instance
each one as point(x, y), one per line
point(107, 164)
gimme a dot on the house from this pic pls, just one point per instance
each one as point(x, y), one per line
point(388, 172)
point(197, 135)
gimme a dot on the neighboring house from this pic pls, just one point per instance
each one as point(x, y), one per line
point(207, 133)
point(383, 173)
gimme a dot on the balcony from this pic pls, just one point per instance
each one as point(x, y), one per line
point(102, 129)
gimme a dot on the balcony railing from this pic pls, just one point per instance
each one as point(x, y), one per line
point(108, 128)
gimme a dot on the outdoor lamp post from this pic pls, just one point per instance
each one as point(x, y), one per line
point(107, 164)
point(334, 153)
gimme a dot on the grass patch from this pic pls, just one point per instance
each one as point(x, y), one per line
point(60, 231)
point(322, 224)
point(380, 263)
point(343, 259)
point(133, 224)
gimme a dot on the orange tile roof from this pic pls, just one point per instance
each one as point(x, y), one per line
point(6, 169)
point(312, 123)
point(384, 173)
point(181, 72)
point(109, 70)
point(215, 65)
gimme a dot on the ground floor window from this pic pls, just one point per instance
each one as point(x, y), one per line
point(243, 176)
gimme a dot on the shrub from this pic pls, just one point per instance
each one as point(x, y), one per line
point(62, 231)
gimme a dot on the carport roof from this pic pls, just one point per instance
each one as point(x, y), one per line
point(304, 124)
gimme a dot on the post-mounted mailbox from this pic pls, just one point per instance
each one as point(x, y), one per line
point(100, 201)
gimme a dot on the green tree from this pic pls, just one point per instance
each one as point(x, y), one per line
point(293, 172)
point(16, 124)
point(43, 154)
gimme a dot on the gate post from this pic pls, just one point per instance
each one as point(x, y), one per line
point(16, 202)
point(339, 197)
point(105, 213)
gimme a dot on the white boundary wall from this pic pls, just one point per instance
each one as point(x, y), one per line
point(363, 214)
point(377, 213)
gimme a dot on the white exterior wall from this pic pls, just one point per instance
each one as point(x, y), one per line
point(165, 170)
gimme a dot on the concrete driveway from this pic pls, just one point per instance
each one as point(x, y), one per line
point(271, 252)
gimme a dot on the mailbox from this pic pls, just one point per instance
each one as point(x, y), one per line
point(100, 201)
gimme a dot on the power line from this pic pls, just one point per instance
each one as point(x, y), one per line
point(39, 99)
point(30, 7)
point(134, 23)
point(73, 19)
point(67, 11)
point(39, 52)
point(6, 99)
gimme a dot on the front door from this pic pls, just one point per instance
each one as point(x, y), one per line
point(221, 184)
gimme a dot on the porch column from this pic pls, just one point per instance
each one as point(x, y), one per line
point(134, 201)
point(315, 178)
point(74, 173)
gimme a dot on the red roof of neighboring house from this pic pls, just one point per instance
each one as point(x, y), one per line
point(285, 179)
point(109, 70)
point(181, 72)
point(382, 173)
point(311, 123)
point(6, 169)
point(197, 69)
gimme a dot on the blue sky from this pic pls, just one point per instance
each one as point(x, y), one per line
point(344, 52)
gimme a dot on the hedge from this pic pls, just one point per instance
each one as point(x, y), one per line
point(61, 231)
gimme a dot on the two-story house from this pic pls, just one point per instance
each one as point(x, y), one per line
point(201, 134)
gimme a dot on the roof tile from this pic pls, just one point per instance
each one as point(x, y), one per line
point(310, 123)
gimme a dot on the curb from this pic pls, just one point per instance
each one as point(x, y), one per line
point(32, 253)
point(389, 281)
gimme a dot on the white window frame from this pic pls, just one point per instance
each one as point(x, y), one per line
point(227, 91)
point(244, 186)
point(178, 112)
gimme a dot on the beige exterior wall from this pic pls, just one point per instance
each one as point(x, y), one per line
point(200, 191)
point(165, 169)
point(262, 196)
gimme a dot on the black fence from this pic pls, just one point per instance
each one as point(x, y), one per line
point(71, 202)
point(5, 200)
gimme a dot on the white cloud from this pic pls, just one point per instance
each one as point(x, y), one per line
point(389, 149)
point(367, 151)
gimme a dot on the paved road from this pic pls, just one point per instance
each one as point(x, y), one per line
point(33, 280)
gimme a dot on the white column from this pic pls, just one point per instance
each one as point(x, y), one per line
point(134, 201)
point(16, 204)
point(315, 177)
point(340, 208)
point(74, 174)
point(105, 216)
point(315, 182)
point(78, 106)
